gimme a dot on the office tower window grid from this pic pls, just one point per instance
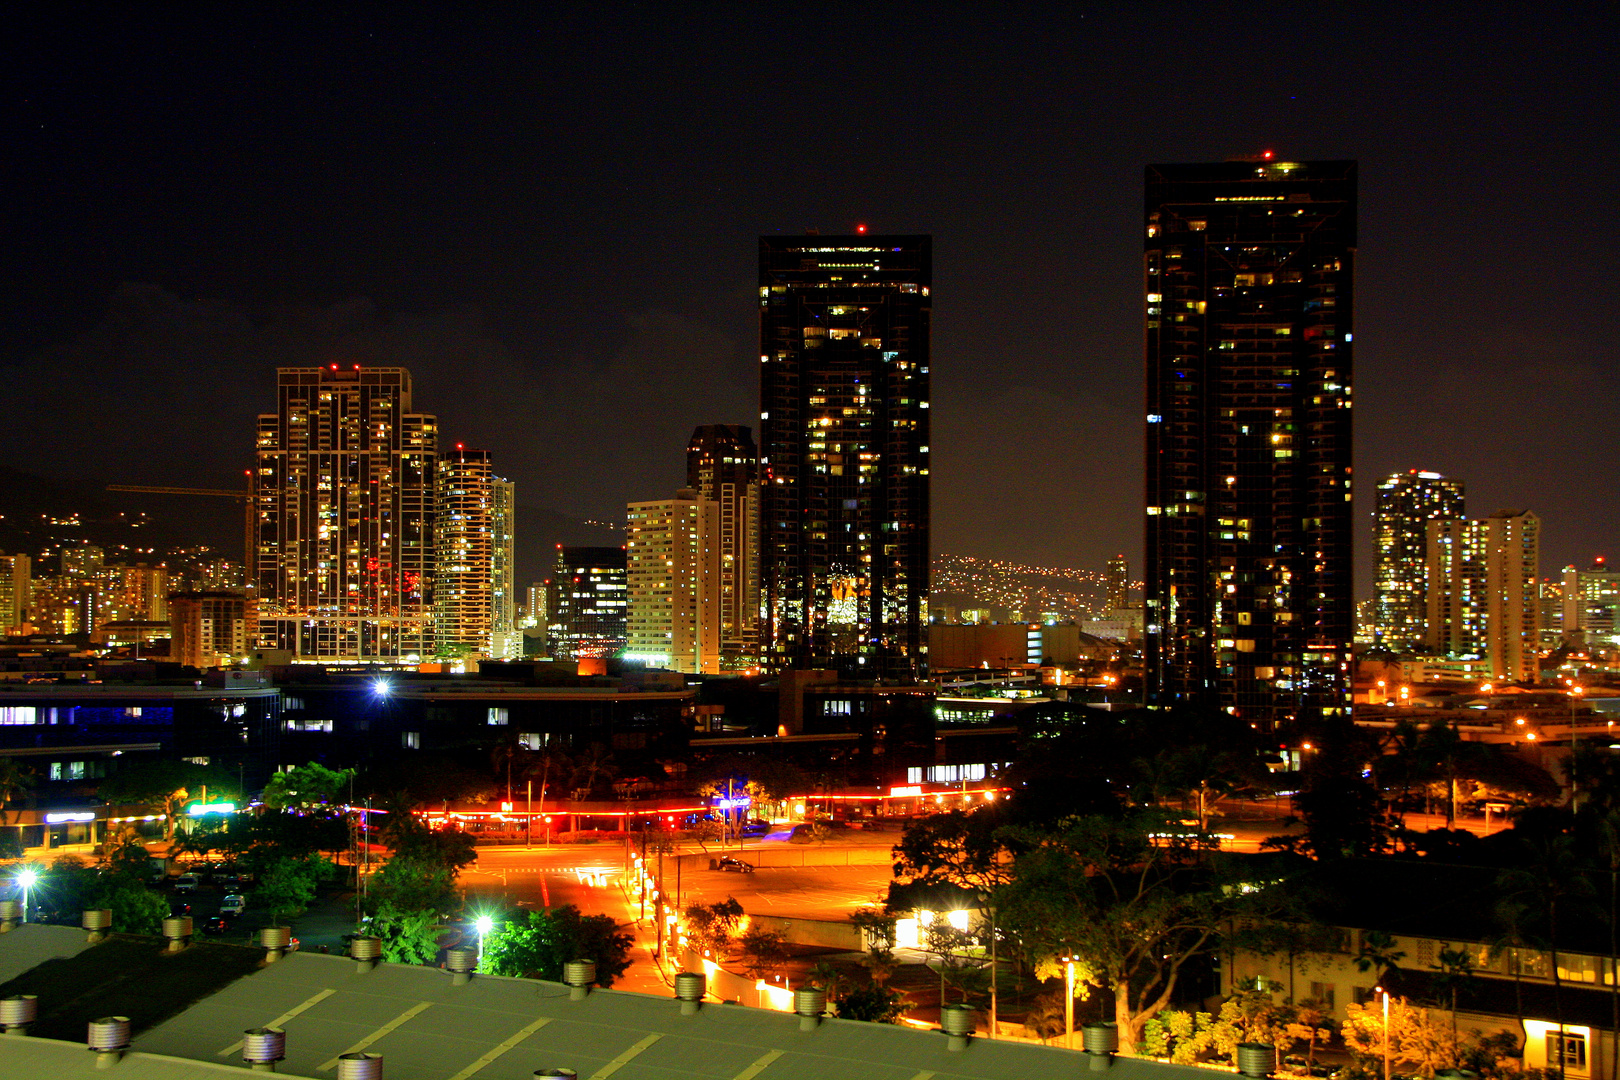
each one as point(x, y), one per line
point(844, 454)
point(344, 512)
point(1407, 502)
point(1248, 287)
point(722, 466)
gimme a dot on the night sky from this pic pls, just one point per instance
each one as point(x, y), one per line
point(549, 214)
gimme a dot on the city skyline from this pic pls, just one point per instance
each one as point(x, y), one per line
point(413, 195)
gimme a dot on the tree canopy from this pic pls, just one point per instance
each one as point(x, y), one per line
point(538, 945)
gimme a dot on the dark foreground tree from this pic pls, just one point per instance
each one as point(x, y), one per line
point(1133, 900)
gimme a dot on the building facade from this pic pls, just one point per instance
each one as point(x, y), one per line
point(505, 640)
point(1119, 583)
point(1483, 600)
point(207, 629)
point(844, 453)
point(1590, 601)
point(588, 617)
point(1407, 502)
point(1248, 285)
point(722, 466)
point(16, 592)
point(343, 499)
point(673, 583)
point(464, 554)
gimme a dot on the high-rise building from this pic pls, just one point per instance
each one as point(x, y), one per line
point(464, 554)
point(535, 606)
point(1483, 601)
point(343, 498)
point(207, 628)
point(1119, 583)
point(722, 466)
point(844, 462)
point(589, 615)
point(1249, 289)
point(16, 592)
point(505, 640)
point(673, 583)
point(1591, 603)
point(1407, 502)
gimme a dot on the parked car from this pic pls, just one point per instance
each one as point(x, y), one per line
point(756, 827)
point(234, 904)
point(215, 925)
point(735, 865)
point(186, 883)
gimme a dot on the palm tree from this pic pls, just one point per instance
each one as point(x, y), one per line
point(14, 780)
point(1456, 970)
point(826, 975)
point(593, 766)
point(1547, 888)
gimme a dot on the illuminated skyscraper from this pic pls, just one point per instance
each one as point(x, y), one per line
point(672, 578)
point(1248, 282)
point(722, 466)
point(343, 497)
point(1407, 502)
point(844, 463)
point(464, 554)
point(505, 640)
point(16, 592)
point(1591, 604)
point(591, 604)
point(1119, 583)
point(1483, 601)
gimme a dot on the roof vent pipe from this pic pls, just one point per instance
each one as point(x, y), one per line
point(177, 928)
point(275, 940)
point(579, 975)
point(958, 1022)
point(262, 1047)
point(109, 1038)
point(359, 1067)
point(809, 1002)
point(10, 915)
point(1102, 1043)
point(97, 922)
point(16, 1013)
point(365, 952)
point(1257, 1060)
point(461, 962)
point(689, 990)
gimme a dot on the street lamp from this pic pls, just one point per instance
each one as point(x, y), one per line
point(25, 879)
point(1381, 990)
point(1068, 1001)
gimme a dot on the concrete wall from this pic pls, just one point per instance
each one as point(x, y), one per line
point(826, 933)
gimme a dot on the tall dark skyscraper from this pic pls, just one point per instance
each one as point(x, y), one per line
point(1249, 283)
point(844, 357)
point(591, 602)
point(722, 465)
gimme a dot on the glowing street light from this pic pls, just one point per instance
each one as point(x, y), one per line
point(25, 880)
point(1385, 993)
point(1068, 1001)
point(381, 688)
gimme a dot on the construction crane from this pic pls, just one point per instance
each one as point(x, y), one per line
point(246, 495)
point(181, 491)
